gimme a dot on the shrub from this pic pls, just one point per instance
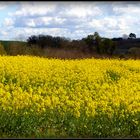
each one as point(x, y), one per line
point(134, 52)
point(36, 50)
point(2, 50)
point(15, 48)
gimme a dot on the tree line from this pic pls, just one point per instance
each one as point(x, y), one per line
point(91, 43)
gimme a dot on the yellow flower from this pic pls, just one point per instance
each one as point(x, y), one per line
point(76, 87)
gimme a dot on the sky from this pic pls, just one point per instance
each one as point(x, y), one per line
point(74, 20)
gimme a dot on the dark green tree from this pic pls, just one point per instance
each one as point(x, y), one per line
point(97, 39)
point(108, 46)
point(132, 35)
point(89, 41)
point(93, 41)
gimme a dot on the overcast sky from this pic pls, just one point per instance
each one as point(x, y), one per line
point(19, 20)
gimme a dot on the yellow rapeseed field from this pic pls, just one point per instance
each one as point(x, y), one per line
point(85, 98)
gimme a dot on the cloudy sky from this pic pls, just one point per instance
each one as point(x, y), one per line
point(19, 20)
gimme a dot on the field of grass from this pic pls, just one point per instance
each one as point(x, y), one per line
point(87, 98)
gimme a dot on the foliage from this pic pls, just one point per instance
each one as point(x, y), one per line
point(2, 50)
point(14, 48)
point(134, 51)
point(45, 41)
point(132, 35)
point(107, 46)
point(102, 45)
point(93, 41)
point(90, 98)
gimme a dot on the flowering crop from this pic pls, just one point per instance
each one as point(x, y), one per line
point(42, 97)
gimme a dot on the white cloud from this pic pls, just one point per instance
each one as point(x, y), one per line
point(59, 20)
point(54, 15)
point(24, 33)
point(73, 19)
point(34, 9)
point(30, 23)
point(104, 23)
point(112, 26)
point(4, 33)
point(38, 22)
point(15, 33)
point(127, 9)
point(8, 22)
point(121, 23)
point(81, 11)
point(95, 23)
point(2, 7)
